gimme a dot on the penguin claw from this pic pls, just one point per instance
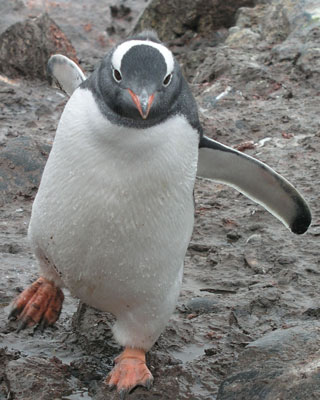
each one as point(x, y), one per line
point(22, 325)
point(40, 304)
point(148, 384)
point(123, 393)
point(42, 325)
point(14, 314)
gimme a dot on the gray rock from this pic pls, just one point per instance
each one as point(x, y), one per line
point(301, 45)
point(225, 60)
point(202, 305)
point(287, 51)
point(172, 19)
point(283, 364)
point(244, 37)
point(309, 60)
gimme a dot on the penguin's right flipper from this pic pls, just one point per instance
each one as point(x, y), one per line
point(255, 180)
point(65, 73)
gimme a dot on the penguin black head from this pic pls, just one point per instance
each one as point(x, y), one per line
point(140, 80)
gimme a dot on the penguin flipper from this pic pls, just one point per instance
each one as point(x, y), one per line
point(255, 180)
point(65, 73)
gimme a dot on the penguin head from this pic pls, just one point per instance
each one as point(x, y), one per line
point(140, 79)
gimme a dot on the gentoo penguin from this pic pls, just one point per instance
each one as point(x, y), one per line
point(115, 210)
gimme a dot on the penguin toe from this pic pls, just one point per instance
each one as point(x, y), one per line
point(129, 373)
point(40, 303)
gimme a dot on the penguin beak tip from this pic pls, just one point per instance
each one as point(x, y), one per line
point(142, 102)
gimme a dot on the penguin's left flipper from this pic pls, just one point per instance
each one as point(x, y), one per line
point(64, 73)
point(255, 180)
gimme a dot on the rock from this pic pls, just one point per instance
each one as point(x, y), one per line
point(5, 357)
point(283, 364)
point(172, 19)
point(10, 248)
point(25, 47)
point(309, 60)
point(199, 247)
point(273, 23)
point(22, 162)
point(242, 37)
point(287, 51)
point(225, 61)
point(39, 378)
point(301, 44)
point(201, 305)
point(121, 11)
point(290, 27)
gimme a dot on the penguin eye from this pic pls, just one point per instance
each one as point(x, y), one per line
point(117, 75)
point(167, 80)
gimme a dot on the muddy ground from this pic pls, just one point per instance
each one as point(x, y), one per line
point(246, 276)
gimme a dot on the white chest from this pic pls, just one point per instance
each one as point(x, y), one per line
point(115, 203)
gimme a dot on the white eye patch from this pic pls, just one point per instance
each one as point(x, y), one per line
point(123, 48)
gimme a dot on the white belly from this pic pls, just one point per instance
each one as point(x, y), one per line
point(114, 211)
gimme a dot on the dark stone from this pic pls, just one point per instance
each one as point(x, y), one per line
point(199, 247)
point(312, 312)
point(309, 60)
point(233, 236)
point(120, 11)
point(283, 364)
point(25, 47)
point(11, 248)
point(202, 305)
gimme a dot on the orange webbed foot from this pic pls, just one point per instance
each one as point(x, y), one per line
point(130, 370)
point(40, 303)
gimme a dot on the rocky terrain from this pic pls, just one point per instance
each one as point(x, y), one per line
point(247, 323)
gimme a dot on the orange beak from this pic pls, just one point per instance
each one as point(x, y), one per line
point(142, 102)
